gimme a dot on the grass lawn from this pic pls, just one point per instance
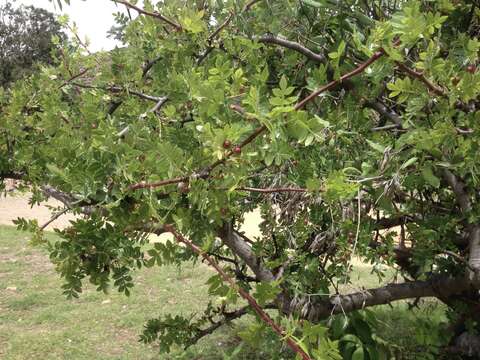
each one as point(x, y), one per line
point(38, 322)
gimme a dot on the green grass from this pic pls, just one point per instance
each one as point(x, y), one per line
point(38, 322)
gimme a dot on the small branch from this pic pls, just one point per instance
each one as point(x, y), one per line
point(271, 190)
point(80, 74)
point(221, 27)
point(358, 70)
point(272, 39)
point(248, 5)
point(68, 200)
point(458, 188)
point(386, 128)
point(420, 76)
point(210, 39)
point(463, 200)
point(145, 185)
point(385, 112)
point(146, 68)
point(227, 317)
point(245, 295)
point(118, 89)
point(54, 217)
point(464, 131)
point(155, 14)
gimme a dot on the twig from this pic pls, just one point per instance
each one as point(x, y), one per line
point(387, 127)
point(272, 39)
point(358, 70)
point(152, 14)
point(54, 217)
point(420, 76)
point(81, 73)
point(221, 27)
point(271, 190)
point(250, 4)
point(118, 89)
point(359, 205)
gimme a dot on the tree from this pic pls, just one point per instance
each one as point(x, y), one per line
point(352, 127)
point(25, 39)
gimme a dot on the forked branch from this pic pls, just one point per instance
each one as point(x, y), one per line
point(245, 295)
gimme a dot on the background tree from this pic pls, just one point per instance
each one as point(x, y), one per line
point(25, 39)
point(352, 126)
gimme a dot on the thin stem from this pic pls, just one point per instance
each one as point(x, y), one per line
point(148, 13)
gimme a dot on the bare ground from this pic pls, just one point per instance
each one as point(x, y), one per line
point(15, 206)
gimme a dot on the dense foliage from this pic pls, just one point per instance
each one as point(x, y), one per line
point(352, 126)
point(25, 39)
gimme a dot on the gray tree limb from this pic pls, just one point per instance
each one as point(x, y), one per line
point(439, 286)
point(272, 39)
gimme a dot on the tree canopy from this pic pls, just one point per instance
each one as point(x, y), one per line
point(25, 39)
point(351, 126)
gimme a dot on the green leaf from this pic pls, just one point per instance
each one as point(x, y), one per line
point(266, 291)
point(430, 178)
point(337, 188)
point(358, 354)
point(315, 4)
point(375, 146)
point(283, 82)
point(409, 162)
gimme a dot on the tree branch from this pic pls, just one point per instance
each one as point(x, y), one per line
point(463, 200)
point(235, 242)
point(155, 14)
point(118, 89)
point(226, 318)
point(245, 295)
point(385, 112)
point(358, 70)
point(435, 89)
point(439, 286)
point(272, 39)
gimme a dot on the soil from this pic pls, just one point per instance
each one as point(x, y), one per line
point(14, 206)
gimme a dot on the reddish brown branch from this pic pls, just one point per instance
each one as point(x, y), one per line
point(152, 14)
point(417, 75)
point(245, 295)
point(358, 70)
point(76, 76)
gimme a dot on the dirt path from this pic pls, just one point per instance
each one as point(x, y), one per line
point(15, 206)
